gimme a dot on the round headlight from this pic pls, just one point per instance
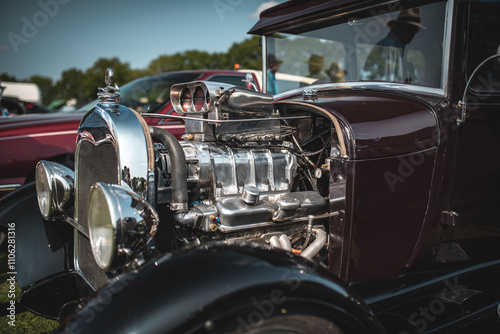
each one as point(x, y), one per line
point(43, 177)
point(101, 229)
point(54, 189)
point(121, 224)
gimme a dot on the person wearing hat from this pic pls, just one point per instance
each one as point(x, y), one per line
point(386, 60)
point(273, 65)
point(316, 63)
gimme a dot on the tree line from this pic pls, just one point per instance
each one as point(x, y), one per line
point(82, 84)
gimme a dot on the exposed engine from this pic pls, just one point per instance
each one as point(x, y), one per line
point(245, 171)
point(248, 177)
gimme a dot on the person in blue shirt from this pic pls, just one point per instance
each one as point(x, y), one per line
point(273, 65)
point(386, 61)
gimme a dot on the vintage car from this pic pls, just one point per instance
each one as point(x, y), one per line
point(27, 139)
point(364, 203)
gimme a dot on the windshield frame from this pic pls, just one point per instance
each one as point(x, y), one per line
point(441, 91)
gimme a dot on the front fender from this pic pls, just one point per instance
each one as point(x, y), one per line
point(184, 291)
point(41, 261)
point(40, 247)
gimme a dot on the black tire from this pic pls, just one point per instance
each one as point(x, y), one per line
point(294, 324)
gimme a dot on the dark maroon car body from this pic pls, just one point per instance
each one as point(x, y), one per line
point(411, 184)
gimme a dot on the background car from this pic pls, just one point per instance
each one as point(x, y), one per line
point(13, 106)
point(27, 139)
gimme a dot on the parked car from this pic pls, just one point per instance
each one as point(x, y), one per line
point(365, 205)
point(27, 139)
point(13, 106)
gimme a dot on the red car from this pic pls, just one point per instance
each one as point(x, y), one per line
point(27, 139)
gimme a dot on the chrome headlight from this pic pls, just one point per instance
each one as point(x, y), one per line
point(54, 188)
point(121, 223)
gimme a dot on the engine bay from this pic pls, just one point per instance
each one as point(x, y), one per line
point(254, 174)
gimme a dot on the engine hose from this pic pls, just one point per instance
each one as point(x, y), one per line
point(316, 246)
point(179, 169)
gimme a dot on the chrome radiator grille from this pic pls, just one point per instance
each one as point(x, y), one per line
point(94, 164)
point(87, 264)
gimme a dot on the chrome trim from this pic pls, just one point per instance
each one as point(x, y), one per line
point(210, 92)
point(264, 63)
point(220, 121)
point(77, 226)
point(225, 171)
point(228, 229)
point(109, 96)
point(364, 85)
point(129, 136)
point(61, 188)
point(134, 221)
point(9, 187)
point(447, 46)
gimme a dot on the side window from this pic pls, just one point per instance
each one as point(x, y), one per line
point(406, 47)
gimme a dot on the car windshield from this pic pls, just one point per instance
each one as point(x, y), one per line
point(148, 94)
point(399, 46)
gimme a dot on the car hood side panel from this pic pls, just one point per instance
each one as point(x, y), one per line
point(381, 124)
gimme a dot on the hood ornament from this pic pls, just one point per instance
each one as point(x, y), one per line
point(310, 94)
point(109, 96)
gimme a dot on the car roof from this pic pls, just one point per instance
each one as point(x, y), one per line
point(291, 12)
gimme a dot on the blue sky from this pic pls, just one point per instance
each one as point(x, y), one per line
point(47, 37)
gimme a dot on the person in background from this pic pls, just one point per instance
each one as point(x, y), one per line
point(386, 60)
point(273, 65)
point(316, 64)
point(336, 73)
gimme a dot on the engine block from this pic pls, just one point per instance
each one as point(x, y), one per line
point(235, 188)
point(218, 171)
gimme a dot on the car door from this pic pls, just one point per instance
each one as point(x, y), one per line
point(476, 196)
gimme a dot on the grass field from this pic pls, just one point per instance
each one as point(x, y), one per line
point(25, 323)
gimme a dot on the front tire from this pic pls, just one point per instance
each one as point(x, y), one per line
point(287, 324)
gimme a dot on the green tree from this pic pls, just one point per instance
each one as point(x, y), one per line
point(7, 77)
point(69, 86)
point(46, 86)
point(187, 60)
point(93, 77)
point(248, 54)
